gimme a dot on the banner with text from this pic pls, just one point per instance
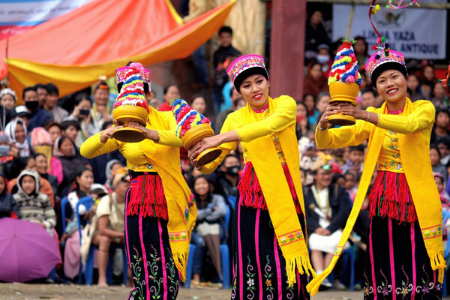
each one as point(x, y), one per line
point(17, 16)
point(417, 33)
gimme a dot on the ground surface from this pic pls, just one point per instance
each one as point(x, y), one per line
point(74, 292)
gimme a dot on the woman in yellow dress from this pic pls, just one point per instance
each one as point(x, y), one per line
point(160, 211)
point(405, 254)
point(270, 255)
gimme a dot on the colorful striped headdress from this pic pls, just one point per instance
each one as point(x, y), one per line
point(381, 61)
point(132, 92)
point(244, 66)
point(121, 74)
point(345, 66)
point(186, 117)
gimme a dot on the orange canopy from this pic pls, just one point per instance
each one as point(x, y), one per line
point(73, 50)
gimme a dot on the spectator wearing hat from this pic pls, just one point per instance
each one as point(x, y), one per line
point(327, 209)
point(16, 130)
point(51, 102)
point(39, 117)
point(21, 112)
point(110, 223)
point(100, 111)
point(8, 98)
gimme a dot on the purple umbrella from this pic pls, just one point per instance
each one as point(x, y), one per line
point(27, 251)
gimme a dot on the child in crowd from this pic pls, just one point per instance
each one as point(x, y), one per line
point(355, 160)
point(8, 206)
point(440, 183)
point(435, 157)
point(34, 206)
point(351, 184)
point(444, 146)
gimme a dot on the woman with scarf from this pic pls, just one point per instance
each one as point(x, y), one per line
point(17, 133)
point(64, 151)
point(314, 82)
point(405, 253)
point(160, 212)
point(270, 253)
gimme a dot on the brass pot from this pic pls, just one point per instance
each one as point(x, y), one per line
point(125, 114)
point(194, 136)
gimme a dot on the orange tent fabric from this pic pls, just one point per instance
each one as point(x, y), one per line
point(73, 50)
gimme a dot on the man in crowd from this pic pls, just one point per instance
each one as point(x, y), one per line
point(222, 59)
point(51, 103)
point(230, 175)
point(42, 94)
point(39, 117)
point(100, 111)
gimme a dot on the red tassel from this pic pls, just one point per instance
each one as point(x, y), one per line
point(250, 190)
point(147, 197)
point(391, 197)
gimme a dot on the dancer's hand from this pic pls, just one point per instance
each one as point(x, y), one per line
point(148, 133)
point(331, 109)
point(108, 133)
point(351, 110)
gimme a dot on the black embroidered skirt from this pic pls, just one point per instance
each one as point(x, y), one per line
point(258, 263)
point(397, 263)
point(149, 257)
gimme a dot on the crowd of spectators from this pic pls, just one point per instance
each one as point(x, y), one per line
point(41, 163)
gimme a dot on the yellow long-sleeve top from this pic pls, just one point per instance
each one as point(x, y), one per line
point(137, 160)
point(282, 118)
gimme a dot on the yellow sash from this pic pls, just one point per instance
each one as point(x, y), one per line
point(182, 210)
point(276, 192)
point(417, 165)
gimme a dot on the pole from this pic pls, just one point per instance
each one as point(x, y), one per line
point(350, 21)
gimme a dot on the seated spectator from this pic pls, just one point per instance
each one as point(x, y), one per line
point(55, 130)
point(82, 114)
point(8, 206)
point(444, 146)
point(351, 184)
point(199, 104)
point(42, 94)
point(34, 206)
point(111, 167)
point(50, 105)
point(440, 126)
point(83, 182)
point(41, 142)
point(302, 125)
point(29, 163)
point(39, 117)
point(100, 111)
point(170, 92)
point(367, 98)
point(210, 230)
point(308, 159)
point(435, 157)
point(8, 153)
point(42, 167)
point(64, 150)
point(440, 184)
point(17, 133)
point(314, 82)
point(229, 178)
point(313, 112)
point(223, 56)
point(439, 99)
point(110, 216)
point(322, 101)
point(8, 98)
point(355, 160)
point(315, 35)
point(70, 130)
point(327, 209)
point(338, 179)
point(361, 51)
point(427, 80)
point(414, 88)
point(323, 57)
